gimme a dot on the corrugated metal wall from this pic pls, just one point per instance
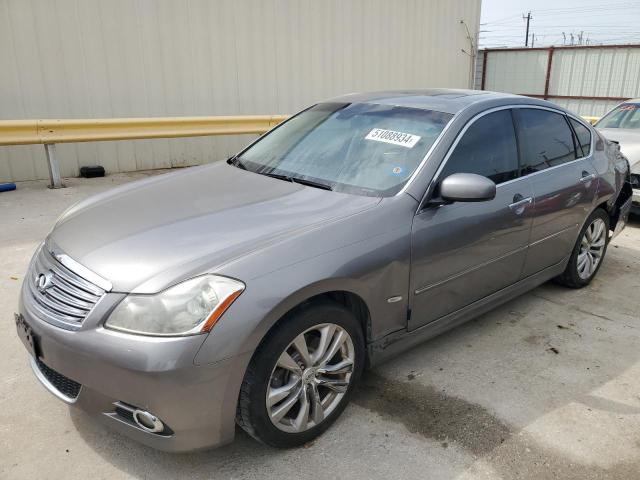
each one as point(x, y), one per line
point(516, 72)
point(601, 72)
point(575, 72)
point(137, 58)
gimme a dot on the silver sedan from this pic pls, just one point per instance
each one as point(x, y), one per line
point(622, 125)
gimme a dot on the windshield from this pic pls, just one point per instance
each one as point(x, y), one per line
point(626, 115)
point(359, 148)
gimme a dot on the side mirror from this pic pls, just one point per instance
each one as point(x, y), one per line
point(467, 187)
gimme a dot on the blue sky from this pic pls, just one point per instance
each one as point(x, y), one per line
point(615, 22)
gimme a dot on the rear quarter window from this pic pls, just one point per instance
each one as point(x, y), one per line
point(583, 135)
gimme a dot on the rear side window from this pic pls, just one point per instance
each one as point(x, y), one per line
point(545, 139)
point(487, 148)
point(584, 137)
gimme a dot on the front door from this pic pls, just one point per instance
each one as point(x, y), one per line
point(564, 182)
point(462, 252)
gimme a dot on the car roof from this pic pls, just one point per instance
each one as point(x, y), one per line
point(440, 99)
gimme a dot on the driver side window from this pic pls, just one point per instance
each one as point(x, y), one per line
point(487, 148)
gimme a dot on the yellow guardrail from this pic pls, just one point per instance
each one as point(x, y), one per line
point(49, 132)
point(25, 132)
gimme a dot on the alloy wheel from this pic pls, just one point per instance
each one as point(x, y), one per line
point(310, 378)
point(591, 248)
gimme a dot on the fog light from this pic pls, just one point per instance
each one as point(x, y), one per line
point(147, 421)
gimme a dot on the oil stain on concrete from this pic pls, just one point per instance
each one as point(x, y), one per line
point(507, 451)
point(431, 413)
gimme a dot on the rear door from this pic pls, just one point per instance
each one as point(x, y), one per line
point(464, 251)
point(563, 179)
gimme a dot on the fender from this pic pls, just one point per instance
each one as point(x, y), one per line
point(359, 269)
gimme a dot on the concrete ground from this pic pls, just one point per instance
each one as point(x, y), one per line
point(547, 386)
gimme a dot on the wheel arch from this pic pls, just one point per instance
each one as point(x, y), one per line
point(626, 192)
point(346, 292)
point(614, 189)
point(613, 207)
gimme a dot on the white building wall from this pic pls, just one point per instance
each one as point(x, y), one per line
point(138, 58)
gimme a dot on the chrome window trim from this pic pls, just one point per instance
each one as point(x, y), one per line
point(482, 114)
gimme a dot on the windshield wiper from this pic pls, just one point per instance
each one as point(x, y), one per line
point(277, 175)
point(311, 183)
point(301, 181)
point(235, 161)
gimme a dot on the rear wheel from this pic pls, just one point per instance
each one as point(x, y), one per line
point(589, 251)
point(302, 375)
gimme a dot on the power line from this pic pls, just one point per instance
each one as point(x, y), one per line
point(568, 12)
point(551, 23)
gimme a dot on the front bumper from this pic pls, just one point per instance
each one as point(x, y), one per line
point(196, 402)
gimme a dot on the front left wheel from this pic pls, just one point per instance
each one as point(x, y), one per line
point(301, 377)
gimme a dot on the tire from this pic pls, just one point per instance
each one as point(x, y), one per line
point(577, 274)
point(294, 386)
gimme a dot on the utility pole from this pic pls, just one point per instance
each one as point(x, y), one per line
point(564, 38)
point(533, 38)
point(526, 37)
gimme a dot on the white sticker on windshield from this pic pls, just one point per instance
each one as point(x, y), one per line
point(390, 136)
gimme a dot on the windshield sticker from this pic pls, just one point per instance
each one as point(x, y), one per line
point(397, 171)
point(390, 136)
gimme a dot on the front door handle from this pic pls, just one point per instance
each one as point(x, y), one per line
point(587, 177)
point(520, 203)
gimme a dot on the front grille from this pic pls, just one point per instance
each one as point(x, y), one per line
point(58, 294)
point(64, 385)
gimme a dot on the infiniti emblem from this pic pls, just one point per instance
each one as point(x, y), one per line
point(44, 281)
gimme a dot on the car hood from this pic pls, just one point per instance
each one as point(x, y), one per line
point(629, 140)
point(203, 216)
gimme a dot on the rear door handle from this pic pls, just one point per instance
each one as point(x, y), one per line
point(520, 203)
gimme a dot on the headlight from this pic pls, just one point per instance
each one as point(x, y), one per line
point(190, 307)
